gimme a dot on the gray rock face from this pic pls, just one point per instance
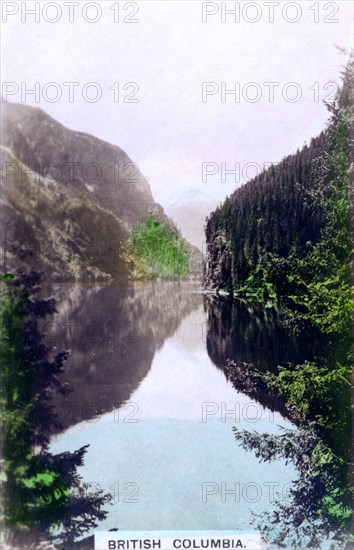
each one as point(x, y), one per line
point(218, 268)
point(80, 162)
point(63, 234)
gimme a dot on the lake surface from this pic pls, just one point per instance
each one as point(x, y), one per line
point(152, 401)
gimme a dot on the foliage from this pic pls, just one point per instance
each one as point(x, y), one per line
point(319, 285)
point(314, 508)
point(258, 285)
point(163, 251)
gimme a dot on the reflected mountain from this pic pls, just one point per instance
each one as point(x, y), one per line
point(113, 334)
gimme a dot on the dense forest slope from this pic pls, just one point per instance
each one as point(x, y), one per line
point(271, 213)
point(70, 201)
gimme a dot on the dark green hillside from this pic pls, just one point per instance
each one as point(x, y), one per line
point(272, 213)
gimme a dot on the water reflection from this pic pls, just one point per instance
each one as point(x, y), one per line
point(113, 334)
point(116, 335)
point(248, 332)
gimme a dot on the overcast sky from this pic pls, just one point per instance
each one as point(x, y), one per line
point(169, 53)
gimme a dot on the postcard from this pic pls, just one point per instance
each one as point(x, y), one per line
point(176, 287)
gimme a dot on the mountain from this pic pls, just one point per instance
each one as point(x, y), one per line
point(70, 201)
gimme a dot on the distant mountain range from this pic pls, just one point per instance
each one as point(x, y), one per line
point(69, 201)
point(190, 214)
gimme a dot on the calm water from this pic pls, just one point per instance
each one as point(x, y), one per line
point(151, 399)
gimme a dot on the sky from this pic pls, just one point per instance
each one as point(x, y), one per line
point(170, 130)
